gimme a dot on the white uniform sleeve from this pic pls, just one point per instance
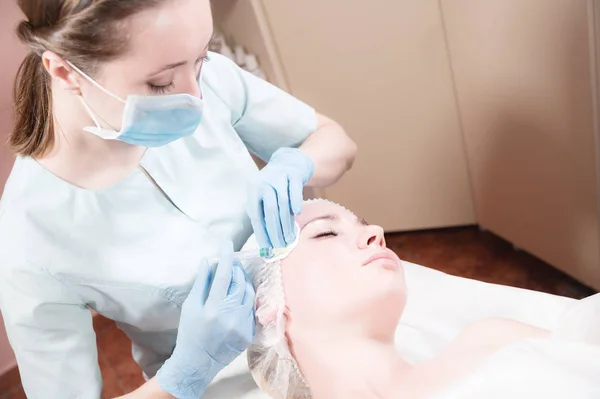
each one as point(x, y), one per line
point(51, 333)
point(264, 116)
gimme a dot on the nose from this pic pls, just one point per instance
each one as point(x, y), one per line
point(371, 236)
point(191, 85)
point(194, 89)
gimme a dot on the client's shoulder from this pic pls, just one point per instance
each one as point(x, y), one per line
point(496, 332)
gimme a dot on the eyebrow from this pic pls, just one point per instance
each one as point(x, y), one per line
point(180, 63)
point(332, 217)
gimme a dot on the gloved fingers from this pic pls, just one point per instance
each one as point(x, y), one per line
point(285, 214)
point(199, 291)
point(238, 285)
point(252, 321)
point(248, 307)
point(249, 302)
point(257, 218)
point(296, 188)
point(249, 297)
point(272, 219)
point(223, 275)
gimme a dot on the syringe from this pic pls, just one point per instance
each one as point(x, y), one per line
point(247, 255)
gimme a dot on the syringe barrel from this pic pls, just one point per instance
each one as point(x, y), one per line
point(246, 255)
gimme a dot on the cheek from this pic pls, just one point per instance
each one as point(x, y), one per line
point(107, 110)
point(304, 285)
point(114, 113)
point(326, 284)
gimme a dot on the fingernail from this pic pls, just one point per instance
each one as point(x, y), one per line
point(298, 207)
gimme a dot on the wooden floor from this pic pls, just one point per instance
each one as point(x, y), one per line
point(466, 252)
point(469, 252)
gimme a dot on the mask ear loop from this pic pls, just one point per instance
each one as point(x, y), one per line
point(91, 113)
point(106, 133)
point(98, 85)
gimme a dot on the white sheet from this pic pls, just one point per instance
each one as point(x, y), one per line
point(565, 366)
point(439, 306)
point(548, 369)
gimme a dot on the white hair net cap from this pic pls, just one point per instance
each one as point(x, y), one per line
point(271, 363)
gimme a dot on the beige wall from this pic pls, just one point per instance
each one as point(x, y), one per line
point(523, 76)
point(381, 69)
point(245, 24)
point(13, 53)
point(432, 89)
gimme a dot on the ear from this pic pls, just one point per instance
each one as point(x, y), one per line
point(287, 312)
point(60, 71)
point(266, 316)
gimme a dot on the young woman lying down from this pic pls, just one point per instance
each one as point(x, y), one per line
point(327, 314)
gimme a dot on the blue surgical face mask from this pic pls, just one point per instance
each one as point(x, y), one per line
point(149, 121)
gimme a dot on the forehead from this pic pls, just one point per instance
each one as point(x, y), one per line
point(316, 209)
point(170, 32)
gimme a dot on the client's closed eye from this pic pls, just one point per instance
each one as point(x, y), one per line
point(327, 233)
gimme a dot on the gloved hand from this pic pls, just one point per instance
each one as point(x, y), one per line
point(216, 325)
point(276, 197)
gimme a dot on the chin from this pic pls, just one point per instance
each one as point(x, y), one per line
point(381, 305)
point(388, 280)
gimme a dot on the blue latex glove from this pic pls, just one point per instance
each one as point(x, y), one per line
point(276, 197)
point(216, 325)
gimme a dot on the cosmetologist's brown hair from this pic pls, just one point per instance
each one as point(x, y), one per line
point(85, 32)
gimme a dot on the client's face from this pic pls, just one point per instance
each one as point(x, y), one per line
point(342, 274)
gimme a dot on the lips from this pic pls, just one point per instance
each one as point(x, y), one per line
point(386, 258)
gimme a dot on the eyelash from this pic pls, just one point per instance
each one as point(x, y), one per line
point(328, 233)
point(161, 89)
point(167, 88)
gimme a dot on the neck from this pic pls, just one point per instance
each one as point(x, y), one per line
point(349, 368)
point(80, 157)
